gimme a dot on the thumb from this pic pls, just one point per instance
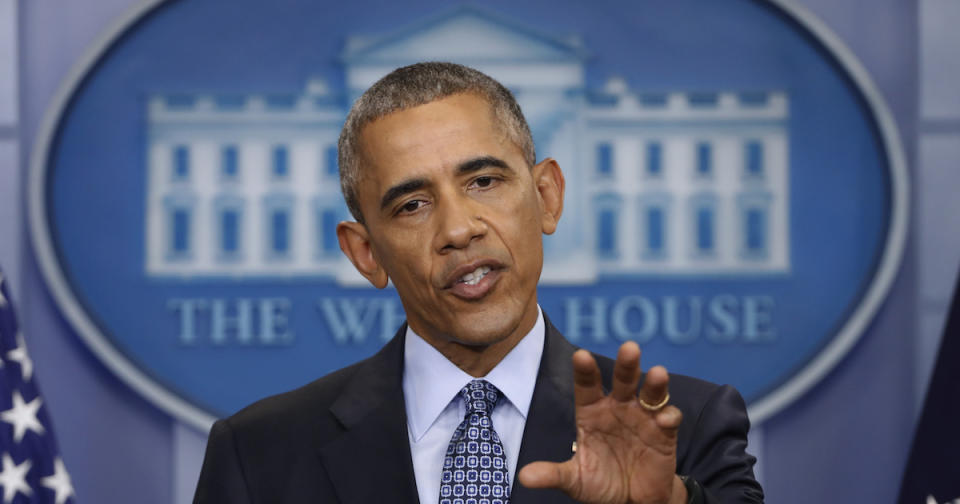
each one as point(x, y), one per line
point(548, 475)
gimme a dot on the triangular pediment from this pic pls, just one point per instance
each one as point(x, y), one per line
point(465, 34)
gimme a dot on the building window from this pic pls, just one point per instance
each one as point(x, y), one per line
point(754, 223)
point(606, 208)
point(754, 155)
point(332, 168)
point(281, 162)
point(656, 231)
point(654, 159)
point(180, 231)
point(704, 159)
point(705, 230)
point(607, 232)
point(228, 226)
point(278, 225)
point(604, 160)
point(755, 231)
point(181, 162)
point(230, 231)
point(327, 243)
point(179, 243)
point(703, 224)
point(280, 232)
point(653, 222)
point(178, 226)
point(229, 166)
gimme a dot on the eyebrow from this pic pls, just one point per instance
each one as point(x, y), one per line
point(405, 187)
point(479, 163)
point(465, 168)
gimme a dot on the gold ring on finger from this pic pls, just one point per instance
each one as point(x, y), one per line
point(655, 407)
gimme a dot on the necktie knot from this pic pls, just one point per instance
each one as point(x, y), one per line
point(480, 397)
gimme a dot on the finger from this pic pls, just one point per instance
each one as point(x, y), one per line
point(626, 372)
point(548, 475)
point(587, 384)
point(655, 385)
point(669, 419)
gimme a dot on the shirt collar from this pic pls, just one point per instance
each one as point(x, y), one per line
point(430, 381)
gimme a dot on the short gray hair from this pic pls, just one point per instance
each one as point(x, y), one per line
point(415, 85)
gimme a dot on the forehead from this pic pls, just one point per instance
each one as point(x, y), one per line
point(467, 115)
point(429, 136)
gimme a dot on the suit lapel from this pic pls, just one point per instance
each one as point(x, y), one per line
point(551, 423)
point(375, 443)
point(370, 461)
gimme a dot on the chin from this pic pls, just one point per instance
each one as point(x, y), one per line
point(484, 329)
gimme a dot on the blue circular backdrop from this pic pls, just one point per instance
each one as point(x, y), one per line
point(839, 182)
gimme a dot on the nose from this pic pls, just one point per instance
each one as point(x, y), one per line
point(460, 222)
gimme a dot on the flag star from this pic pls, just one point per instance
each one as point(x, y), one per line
point(13, 478)
point(23, 416)
point(59, 482)
point(20, 355)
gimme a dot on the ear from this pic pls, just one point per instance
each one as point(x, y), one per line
point(550, 186)
point(355, 244)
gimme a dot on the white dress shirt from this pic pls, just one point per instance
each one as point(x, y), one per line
point(431, 386)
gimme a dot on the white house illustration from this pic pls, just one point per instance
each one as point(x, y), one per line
point(659, 182)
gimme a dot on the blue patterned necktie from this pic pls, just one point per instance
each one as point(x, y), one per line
point(475, 468)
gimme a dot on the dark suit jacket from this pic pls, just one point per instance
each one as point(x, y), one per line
point(343, 438)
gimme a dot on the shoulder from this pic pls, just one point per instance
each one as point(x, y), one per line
point(319, 407)
point(267, 451)
point(294, 413)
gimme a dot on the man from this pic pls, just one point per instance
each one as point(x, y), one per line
point(478, 391)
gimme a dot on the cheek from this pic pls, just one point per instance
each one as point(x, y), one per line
point(522, 224)
point(405, 257)
point(528, 207)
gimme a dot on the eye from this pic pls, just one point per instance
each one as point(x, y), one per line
point(484, 182)
point(411, 206)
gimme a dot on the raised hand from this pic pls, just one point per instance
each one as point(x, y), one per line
point(625, 452)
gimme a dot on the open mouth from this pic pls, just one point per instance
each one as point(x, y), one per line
point(474, 277)
point(474, 281)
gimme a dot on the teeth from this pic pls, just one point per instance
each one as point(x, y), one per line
point(474, 277)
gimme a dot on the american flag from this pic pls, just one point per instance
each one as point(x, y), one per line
point(31, 469)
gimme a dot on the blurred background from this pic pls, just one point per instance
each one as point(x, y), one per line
point(844, 438)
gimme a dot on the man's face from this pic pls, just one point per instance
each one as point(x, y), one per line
point(454, 217)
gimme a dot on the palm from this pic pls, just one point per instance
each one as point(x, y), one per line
point(625, 453)
point(622, 455)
